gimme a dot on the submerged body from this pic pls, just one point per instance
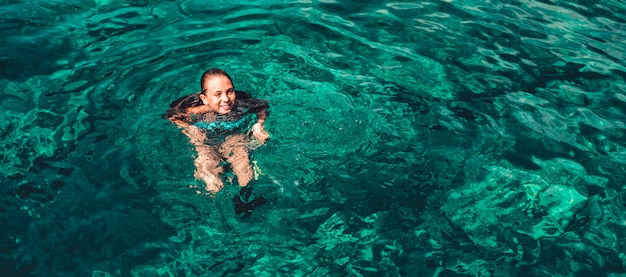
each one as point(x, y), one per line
point(224, 125)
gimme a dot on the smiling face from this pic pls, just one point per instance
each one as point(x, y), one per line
point(218, 94)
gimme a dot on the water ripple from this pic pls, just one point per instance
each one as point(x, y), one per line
point(406, 100)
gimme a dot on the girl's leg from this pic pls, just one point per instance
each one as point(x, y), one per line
point(208, 168)
point(236, 153)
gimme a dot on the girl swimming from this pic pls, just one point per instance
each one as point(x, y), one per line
point(224, 125)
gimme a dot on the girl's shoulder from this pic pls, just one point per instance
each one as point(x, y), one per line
point(198, 109)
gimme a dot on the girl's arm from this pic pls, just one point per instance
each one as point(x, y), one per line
point(180, 112)
point(195, 135)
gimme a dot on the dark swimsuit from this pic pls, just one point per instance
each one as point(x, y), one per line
point(240, 120)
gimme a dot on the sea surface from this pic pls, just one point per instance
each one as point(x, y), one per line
point(418, 138)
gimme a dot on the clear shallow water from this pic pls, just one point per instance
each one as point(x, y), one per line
point(426, 139)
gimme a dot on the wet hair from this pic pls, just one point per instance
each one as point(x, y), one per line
point(178, 108)
point(210, 73)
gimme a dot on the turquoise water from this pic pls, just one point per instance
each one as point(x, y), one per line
point(439, 138)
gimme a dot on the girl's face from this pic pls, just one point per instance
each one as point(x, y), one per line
point(218, 94)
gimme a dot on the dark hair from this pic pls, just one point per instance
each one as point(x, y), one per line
point(178, 108)
point(212, 72)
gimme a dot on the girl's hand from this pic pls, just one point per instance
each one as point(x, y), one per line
point(259, 133)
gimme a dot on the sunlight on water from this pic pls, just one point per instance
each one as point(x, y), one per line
point(408, 139)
